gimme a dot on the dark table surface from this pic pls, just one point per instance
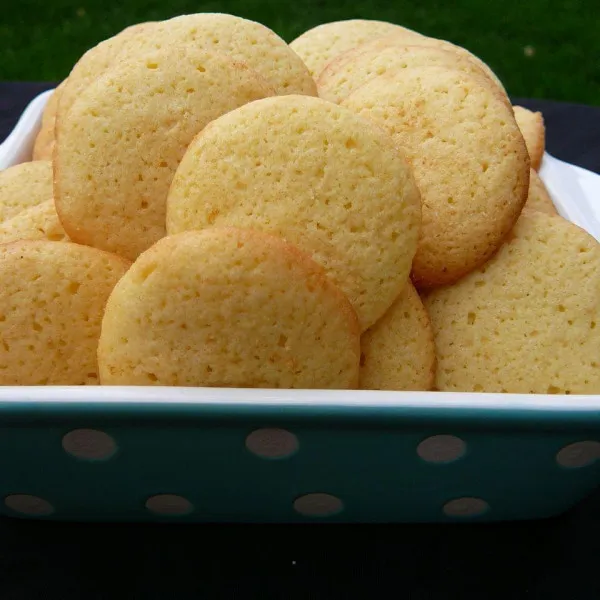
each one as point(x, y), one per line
point(558, 558)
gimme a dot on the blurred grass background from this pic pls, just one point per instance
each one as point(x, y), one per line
point(539, 48)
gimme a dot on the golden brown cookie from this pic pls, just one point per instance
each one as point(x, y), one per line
point(527, 321)
point(44, 141)
point(398, 352)
point(322, 44)
point(52, 300)
point(117, 150)
point(228, 308)
point(239, 39)
point(468, 158)
point(532, 127)
point(96, 61)
point(352, 69)
point(24, 185)
point(315, 174)
point(538, 197)
point(34, 223)
point(395, 40)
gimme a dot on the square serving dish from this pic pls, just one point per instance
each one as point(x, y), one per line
point(240, 455)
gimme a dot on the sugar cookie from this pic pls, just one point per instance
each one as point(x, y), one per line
point(44, 141)
point(24, 185)
point(322, 44)
point(241, 40)
point(52, 299)
point(398, 352)
point(34, 223)
point(532, 127)
point(96, 61)
point(315, 174)
point(228, 308)
point(538, 197)
point(348, 72)
point(468, 157)
point(395, 40)
point(117, 151)
point(526, 322)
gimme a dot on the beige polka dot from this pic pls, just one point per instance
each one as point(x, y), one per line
point(28, 505)
point(318, 505)
point(579, 454)
point(441, 448)
point(169, 504)
point(272, 443)
point(465, 507)
point(89, 444)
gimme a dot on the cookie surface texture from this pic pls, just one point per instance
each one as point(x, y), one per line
point(351, 70)
point(23, 186)
point(95, 62)
point(315, 174)
point(44, 141)
point(398, 352)
point(320, 45)
point(538, 197)
point(228, 308)
point(468, 157)
point(395, 40)
point(116, 152)
point(34, 223)
point(533, 129)
point(241, 40)
point(51, 301)
point(527, 321)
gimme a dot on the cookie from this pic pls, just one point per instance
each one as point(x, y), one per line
point(116, 152)
point(532, 127)
point(24, 185)
point(348, 72)
point(51, 305)
point(44, 141)
point(315, 174)
point(468, 158)
point(396, 40)
point(322, 44)
point(538, 197)
point(96, 61)
point(228, 308)
point(34, 223)
point(241, 40)
point(398, 352)
point(526, 322)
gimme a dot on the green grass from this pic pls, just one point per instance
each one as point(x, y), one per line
point(42, 40)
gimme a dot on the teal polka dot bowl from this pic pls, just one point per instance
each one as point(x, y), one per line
point(266, 456)
point(212, 455)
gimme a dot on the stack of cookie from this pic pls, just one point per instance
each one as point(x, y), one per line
point(360, 209)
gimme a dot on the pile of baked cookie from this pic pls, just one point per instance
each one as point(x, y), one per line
point(208, 206)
